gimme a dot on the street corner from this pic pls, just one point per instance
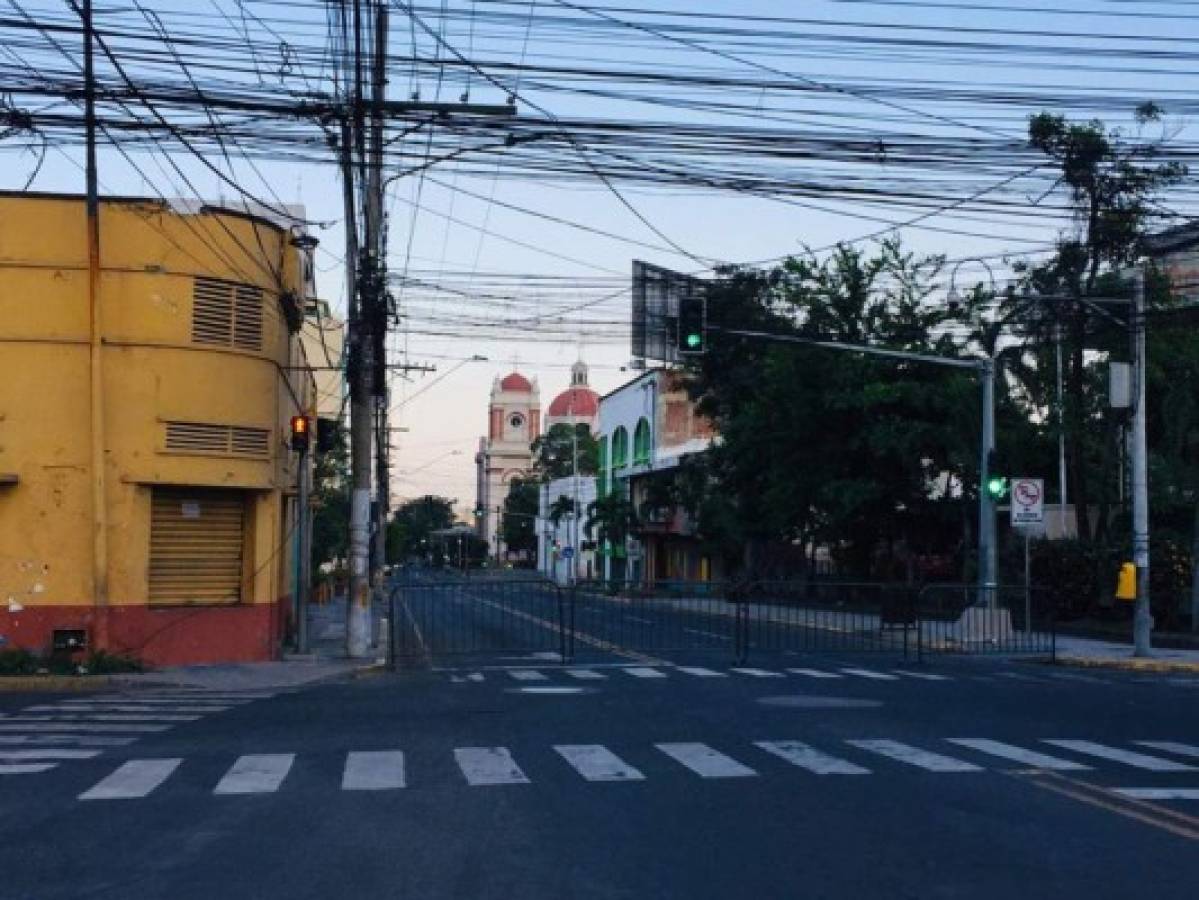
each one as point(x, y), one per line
point(1131, 664)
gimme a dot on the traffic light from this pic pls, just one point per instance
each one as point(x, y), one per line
point(300, 433)
point(693, 323)
point(997, 487)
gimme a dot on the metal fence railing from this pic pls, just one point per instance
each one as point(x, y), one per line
point(480, 614)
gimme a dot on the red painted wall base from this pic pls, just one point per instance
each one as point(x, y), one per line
point(170, 636)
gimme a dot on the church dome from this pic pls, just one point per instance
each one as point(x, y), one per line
point(515, 382)
point(581, 402)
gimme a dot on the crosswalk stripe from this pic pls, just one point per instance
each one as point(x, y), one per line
point(815, 673)
point(9, 755)
point(809, 758)
point(1019, 754)
point(1172, 747)
point(704, 761)
point(924, 676)
point(643, 672)
point(488, 765)
point(701, 672)
point(1128, 757)
point(914, 756)
point(870, 673)
point(260, 773)
point(475, 677)
point(133, 779)
point(119, 708)
point(8, 740)
point(25, 768)
point(82, 727)
point(585, 674)
point(757, 673)
point(373, 770)
point(597, 763)
point(526, 675)
point(1157, 793)
point(100, 717)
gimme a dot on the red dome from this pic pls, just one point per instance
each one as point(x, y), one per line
point(578, 401)
point(515, 382)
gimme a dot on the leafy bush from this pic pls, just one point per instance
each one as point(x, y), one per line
point(16, 661)
point(101, 662)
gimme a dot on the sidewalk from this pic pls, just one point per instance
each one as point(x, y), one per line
point(1091, 653)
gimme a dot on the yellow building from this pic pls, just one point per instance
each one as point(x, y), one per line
point(160, 522)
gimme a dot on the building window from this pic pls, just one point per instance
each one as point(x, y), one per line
point(226, 314)
point(601, 485)
point(620, 448)
point(641, 443)
point(516, 421)
point(223, 440)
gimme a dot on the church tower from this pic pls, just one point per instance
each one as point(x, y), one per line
point(513, 423)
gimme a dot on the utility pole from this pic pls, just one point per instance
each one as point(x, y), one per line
point(377, 248)
point(95, 343)
point(1143, 619)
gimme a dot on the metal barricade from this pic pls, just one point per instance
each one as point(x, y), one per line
point(1016, 620)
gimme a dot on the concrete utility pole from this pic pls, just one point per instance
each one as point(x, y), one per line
point(986, 504)
point(1143, 619)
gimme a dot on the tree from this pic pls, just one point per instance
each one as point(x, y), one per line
point(1110, 181)
point(408, 532)
point(847, 450)
point(331, 504)
point(518, 525)
point(611, 518)
point(553, 452)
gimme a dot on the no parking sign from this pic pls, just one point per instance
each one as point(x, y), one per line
point(1028, 501)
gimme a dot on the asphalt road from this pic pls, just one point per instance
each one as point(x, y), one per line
point(508, 775)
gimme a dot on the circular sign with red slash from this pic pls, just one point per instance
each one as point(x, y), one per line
point(1028, 499)
point(1027, 493)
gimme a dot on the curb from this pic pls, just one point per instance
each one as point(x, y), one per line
point(54, 684)
point(374, 670)
point(1163, 666)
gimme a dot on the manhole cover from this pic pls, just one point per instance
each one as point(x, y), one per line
point(807, 701)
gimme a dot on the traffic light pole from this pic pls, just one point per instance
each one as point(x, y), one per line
point(986, 503)
point(1142, 623)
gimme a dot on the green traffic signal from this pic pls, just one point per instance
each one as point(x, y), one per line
point(694, 340)
point(997, 487)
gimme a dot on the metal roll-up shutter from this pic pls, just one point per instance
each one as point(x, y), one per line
point(196, 543)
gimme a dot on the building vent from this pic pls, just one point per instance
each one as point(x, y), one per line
point(227, 314)
point(227, 440)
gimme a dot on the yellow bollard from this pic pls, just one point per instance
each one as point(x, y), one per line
point(1126, 583)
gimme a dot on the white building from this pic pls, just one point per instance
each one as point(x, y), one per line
point(513, 423)
point(569, 531)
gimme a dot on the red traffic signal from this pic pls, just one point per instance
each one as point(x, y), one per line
point(300, 433)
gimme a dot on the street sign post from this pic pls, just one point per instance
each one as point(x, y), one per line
point(568, 552)
point(1028, 512)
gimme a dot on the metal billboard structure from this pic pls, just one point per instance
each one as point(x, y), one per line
point(656, 295)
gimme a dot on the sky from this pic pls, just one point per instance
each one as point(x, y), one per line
point(463, 229)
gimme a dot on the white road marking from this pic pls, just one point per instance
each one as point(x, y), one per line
point(706, 762)
point(757, 673)
point(9, 755)
point(701, 672)
point(373, 770)
point(101, 717)
point(811, 759)
point(1019, 754)
point(643, 672)
point(926, 676)
point(597, 763)
point(869, 673)
point(260, 773)
point(815, 673)
point(78, 707)
point(639, 619)
point(475, 677)
point(1154, 793)
point(87, 741)
point(585, 674)
point(488, 765)
point(914, 756)
point(25, 768)
point(1128, 757)
point(711, 634)
point(136, 778)
point(1172, 747)
point(1020, 676)
point(527, 675)
point(82, 727)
